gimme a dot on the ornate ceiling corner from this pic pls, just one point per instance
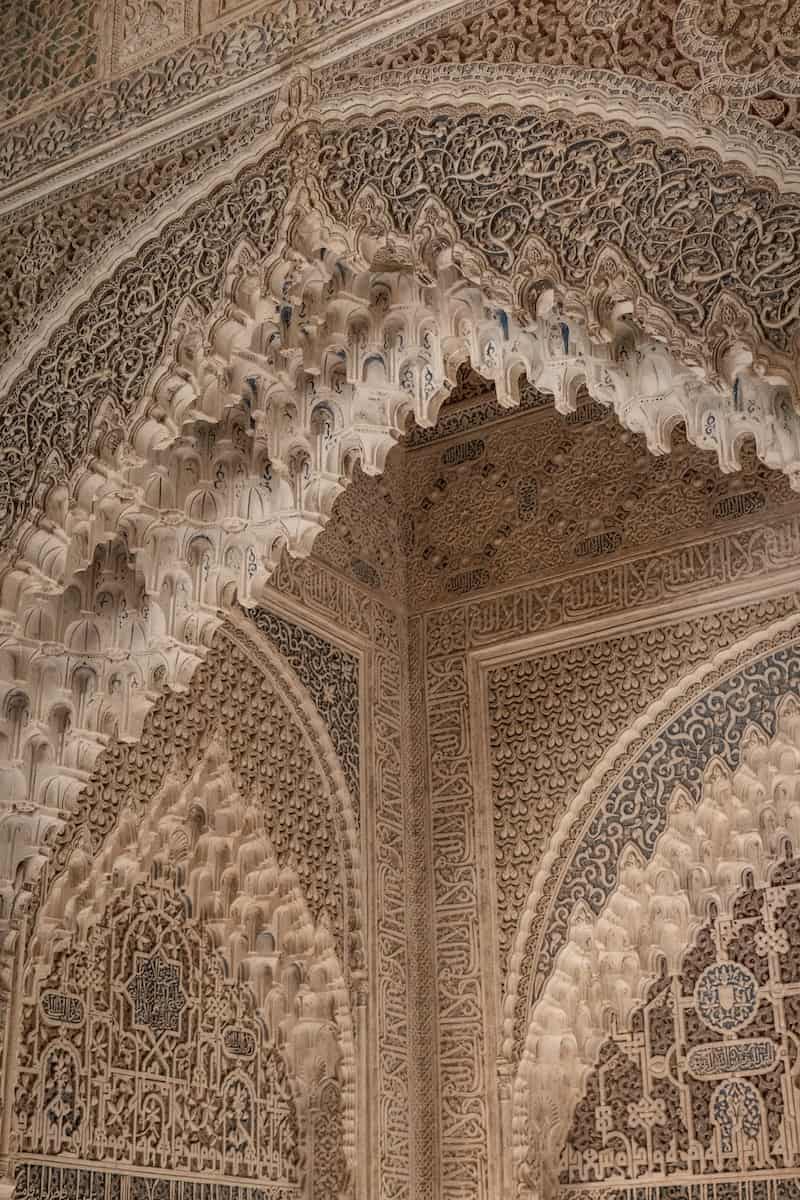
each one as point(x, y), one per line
point(397, 400)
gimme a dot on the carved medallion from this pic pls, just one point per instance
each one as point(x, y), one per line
point(61, 1009)
point(726, 996)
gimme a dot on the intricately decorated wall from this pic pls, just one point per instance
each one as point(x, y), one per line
point(536, 692)
point(419, 820)
point(197, 950)
point(607, 746)
point(431, 814)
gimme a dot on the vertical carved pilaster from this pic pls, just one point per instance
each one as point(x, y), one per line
point(12, 952)
point(423, 1025)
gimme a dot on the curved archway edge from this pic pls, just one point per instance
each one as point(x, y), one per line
point(707, 338)
point(300, 313)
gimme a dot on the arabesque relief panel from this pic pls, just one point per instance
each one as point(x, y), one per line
point(334, 846)
point(738, 56)
point(136, 1050)
point(702, 1076)
point(718, 815)
point(379, 1010)
point(548, 719)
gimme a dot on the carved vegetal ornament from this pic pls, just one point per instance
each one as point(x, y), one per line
point(399, 543)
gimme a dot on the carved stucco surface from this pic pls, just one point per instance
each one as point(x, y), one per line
point(78, 75)
point(331, 676)
point(232, 698)
point(641, 43)
point(552, 716)
point(712, 727)
point(666, 531)
point(56, 240)
point(490, 500)
point(518, 506)
point(731, 833)
point(723, 1106)
point(369, 534)
point(113, 341)
point(116, 336)
point(549, 718)
point(114, 66)
point(577, 185)
point(370, 516)
point(589, 695)
point(273, 753)
point(126, 1023)
point(397, 859)
point(664, 42)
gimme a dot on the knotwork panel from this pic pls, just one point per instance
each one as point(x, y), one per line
point(702, 1079)
point(137, 1052)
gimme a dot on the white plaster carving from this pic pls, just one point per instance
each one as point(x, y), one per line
point(745, 819)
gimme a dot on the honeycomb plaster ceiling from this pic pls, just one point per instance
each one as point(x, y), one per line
point(491, 500)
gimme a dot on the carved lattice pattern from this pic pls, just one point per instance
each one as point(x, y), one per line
point(137, 1050)
point(703, 1080)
